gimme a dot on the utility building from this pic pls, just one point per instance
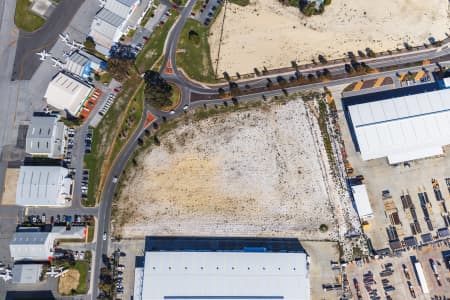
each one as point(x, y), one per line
point(361, 200)
point(43, 186)
point(31, 246)
point(46, 136)
point(84, 64)
point(222, 268)
point(401, 128)
point(67, 93)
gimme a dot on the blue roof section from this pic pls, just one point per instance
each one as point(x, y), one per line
point(139, 262)
point(227, 244)
point(383, 95)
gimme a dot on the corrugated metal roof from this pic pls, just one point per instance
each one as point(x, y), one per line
point(42, 186)
point(362, 201)
point(232, 274)
point(110, 17)
point(29, 238)
point(403, 128)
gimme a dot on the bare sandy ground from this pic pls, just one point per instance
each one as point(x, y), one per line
point(266, 33)
point(68, 282)
point(258, 173)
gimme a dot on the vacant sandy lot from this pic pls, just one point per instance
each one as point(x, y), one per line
point(266, 33)
point(68, 282)
point(259, 173)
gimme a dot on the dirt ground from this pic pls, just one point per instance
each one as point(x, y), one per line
point(260, 173)
point(266, 33)
point(10, 185)
point(68, 282)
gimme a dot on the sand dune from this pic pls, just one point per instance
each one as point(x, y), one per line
point(266, 33)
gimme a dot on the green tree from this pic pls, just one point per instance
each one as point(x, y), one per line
point(194, 37)
point(120, 68)
point(157, 91)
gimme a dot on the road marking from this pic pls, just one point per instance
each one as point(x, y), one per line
point(378, 82)
point(358, 85)
point(419, 75)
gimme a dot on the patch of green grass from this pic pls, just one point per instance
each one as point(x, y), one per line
point(91, 233)
point(103, 138)
point(135, 112)
point(82, 266)
point(153, 49)
point(105, 78)
point(25, 19)
point(195, 58)
point(242, 2)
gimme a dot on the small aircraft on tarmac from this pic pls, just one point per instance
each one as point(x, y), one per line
point(56, 271)
point(64, 37)
point(43, 54)
point(57, 63)
point(75, 45)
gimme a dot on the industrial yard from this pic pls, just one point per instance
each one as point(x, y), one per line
point(412, 207)
point(260, 172)
point(398, 275)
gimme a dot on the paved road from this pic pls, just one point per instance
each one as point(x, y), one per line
point(26, 62)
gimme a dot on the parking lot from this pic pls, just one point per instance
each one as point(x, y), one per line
point(398, 275)
point(208, 10)
point(130, 249)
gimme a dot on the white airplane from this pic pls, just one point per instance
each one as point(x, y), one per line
point(78, 44)
point(64, 37)
point(57, 63)
point(6, 276)
point(71, 45)
point(44, 54)
point(66, 53)
point(56, 272)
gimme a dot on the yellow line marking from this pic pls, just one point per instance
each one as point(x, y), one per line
point(358, 85)
point(378, 82)
point(419, 75)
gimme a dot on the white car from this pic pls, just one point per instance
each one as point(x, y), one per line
point(172, 112)
point(104, 236)
point(185, 107)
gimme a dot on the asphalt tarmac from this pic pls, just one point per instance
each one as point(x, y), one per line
point(26, 62)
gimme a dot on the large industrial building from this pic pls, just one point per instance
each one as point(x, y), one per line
point(110, 23)
point(403, 125)
point(33, 244)
point(46, 136)
point(67, 93)
point(222, 268)
point(43, 186)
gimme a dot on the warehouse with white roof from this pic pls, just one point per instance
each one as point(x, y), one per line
point(67, 93)
point(34, 246)
point(361, 200)
point(46, 136)
point(222, 268)
point(43, 186)
point(402, 128)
